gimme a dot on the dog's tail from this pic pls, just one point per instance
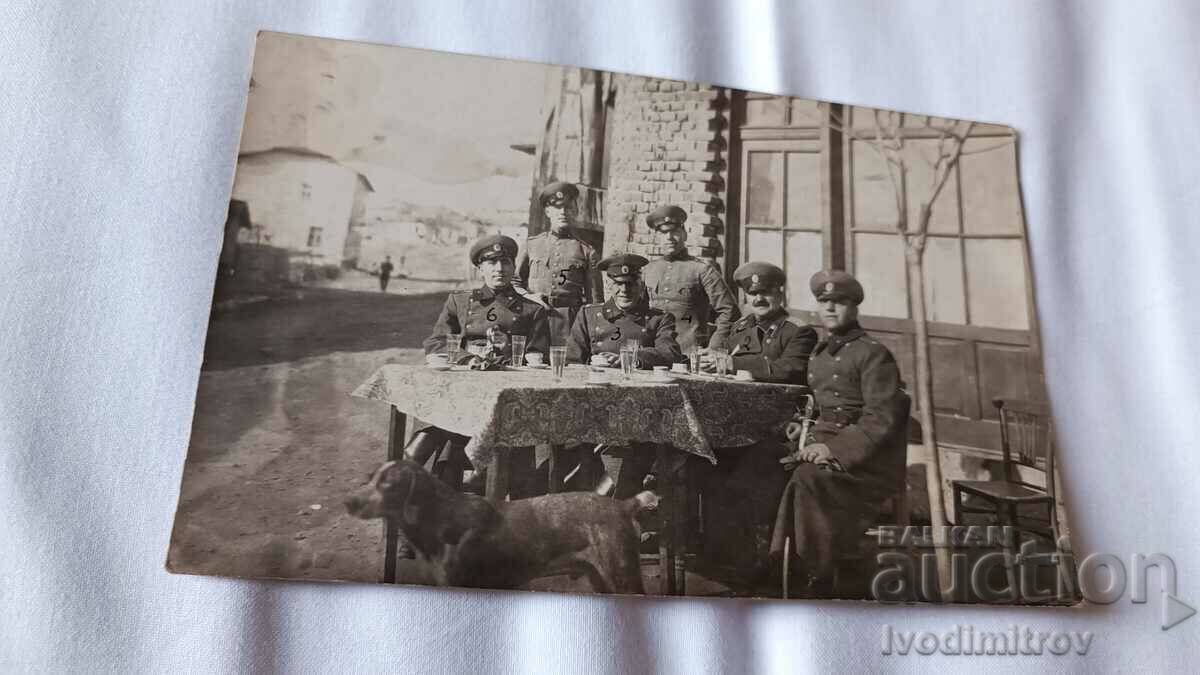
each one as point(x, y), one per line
point(642, 501)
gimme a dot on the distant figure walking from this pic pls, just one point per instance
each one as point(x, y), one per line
point(385, 273)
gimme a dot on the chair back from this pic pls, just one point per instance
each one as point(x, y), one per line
point(1026, 439)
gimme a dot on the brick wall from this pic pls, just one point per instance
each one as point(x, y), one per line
point(668, 145)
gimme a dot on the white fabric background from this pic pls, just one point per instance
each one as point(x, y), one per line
point(119, 122)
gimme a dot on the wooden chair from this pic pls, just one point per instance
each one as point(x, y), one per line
point(1026, 440)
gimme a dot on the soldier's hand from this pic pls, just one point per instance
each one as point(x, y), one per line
point(612, 359)
point(707, 363)
point(817, 453)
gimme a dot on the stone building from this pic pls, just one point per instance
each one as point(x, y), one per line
point(793, 182)
point(302, 201)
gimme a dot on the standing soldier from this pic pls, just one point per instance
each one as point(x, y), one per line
point(690, 288)
point(557, 268)
point(853, 459)
point(767, 342)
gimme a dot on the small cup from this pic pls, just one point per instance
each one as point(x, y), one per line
point(744, 376)
point(681, 368)
point(533, 358)
point(599, 361)
point(661, 373)
point(597, 376)
point(438, 360)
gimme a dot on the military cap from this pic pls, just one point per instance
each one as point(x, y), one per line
point(557, 193)
point(758, 276)
point(492, 247)
point(622, 267)
point(836, 285)
point(666, 217)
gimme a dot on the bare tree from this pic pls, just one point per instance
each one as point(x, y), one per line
point(886, 136)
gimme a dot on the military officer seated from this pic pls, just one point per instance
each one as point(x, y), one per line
point(602, 329)
point(494, 305)
point(853, 457)
point(690, 288)
point(741, 493)
point(767, 342)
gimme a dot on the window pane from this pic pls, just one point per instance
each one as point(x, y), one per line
point(805, 113)
point(944, 296)
point(764, 196)
point(996, 283)
point(764, 245)
point(991, 199)
point(874, 197)
point(804, 190)
point(765, 111)
point(804, 258)
point(879, 267)
point(919, 157)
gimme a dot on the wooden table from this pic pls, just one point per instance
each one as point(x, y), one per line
point(522, 407)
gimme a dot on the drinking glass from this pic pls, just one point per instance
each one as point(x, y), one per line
point(720, 360)
point(558, 360)
point(453, 346)
point(628, 361)
point(694, 360)
point(518, 350)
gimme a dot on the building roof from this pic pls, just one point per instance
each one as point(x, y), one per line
point(305, 152)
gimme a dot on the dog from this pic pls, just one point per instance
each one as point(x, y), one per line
point(473, 542)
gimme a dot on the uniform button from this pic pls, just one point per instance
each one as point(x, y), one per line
point(837, 358)
point(769, 342)
point(835, 376)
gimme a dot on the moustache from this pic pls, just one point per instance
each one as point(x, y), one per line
point(760, 303)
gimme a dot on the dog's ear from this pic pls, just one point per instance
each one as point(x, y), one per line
point(415, 489)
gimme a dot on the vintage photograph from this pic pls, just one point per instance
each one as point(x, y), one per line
point(493, 324)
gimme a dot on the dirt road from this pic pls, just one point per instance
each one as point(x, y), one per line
point(278, 442)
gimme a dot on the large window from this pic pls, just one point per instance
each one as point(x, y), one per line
point(975, 272)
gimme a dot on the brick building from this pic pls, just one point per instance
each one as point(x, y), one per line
point(771, 178)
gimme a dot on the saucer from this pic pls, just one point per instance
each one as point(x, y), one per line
point(540, 366)
point(663, 380)
point(439, 368)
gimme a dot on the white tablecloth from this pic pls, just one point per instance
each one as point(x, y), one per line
point(120, 122)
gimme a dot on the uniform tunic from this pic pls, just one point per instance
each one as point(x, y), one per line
point(694, 291)
point(774, 349)
point(472, 313)
point(863, 418)
point(563, 269)
point(606, 328)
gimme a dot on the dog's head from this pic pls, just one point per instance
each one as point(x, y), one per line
point(396, 489)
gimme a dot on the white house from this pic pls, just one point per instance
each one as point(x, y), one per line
point(301, 201)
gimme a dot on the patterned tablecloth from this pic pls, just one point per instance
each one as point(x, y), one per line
point(524, 407)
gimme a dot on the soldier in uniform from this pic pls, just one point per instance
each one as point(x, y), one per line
point(557, 268)
point(495, 304)
point(690, 288)
point(742, 492)
point(853, 459)
point(603, 329)
point(767, 342)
